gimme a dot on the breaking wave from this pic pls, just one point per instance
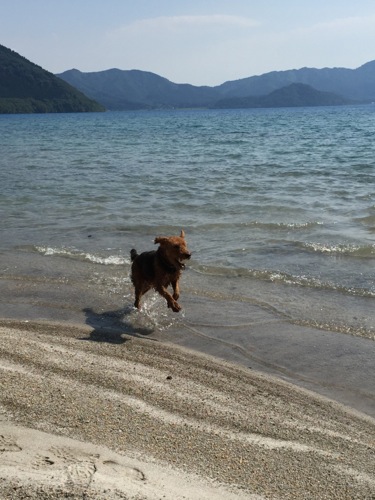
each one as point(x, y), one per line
point(349, 250)
point(288, 279)
point(109, 260)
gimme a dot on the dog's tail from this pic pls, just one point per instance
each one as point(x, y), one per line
point(133, 254)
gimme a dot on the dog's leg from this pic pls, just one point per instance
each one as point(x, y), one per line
point(138, 295)
point(176, 290)
point(139, 292)
point(172, 303)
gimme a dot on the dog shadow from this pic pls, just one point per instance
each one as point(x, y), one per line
point(114, 327)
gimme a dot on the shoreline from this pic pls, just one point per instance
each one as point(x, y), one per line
point(245, 331)
point(147, 417)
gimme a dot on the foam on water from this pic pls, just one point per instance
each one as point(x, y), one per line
point(110, 260)
point(362, 251)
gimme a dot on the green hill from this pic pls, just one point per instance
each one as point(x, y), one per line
point(134, 89)
point(294, 95)
point(27, 88)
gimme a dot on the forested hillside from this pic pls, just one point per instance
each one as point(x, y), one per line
point(27, 88)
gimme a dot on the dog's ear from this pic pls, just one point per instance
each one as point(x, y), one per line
point(182, 235)
point(160, 239)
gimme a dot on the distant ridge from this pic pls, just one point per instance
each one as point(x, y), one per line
point(134, 89)
point(294, 95)
point(27, 88)
point(355, 84)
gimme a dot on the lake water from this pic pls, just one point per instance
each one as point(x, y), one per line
point(278, 207)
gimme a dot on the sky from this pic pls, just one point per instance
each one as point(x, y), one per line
point(201, 42)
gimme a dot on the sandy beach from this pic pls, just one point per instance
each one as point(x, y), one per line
point(142, 419)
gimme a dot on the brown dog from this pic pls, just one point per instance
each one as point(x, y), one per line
point(160, 268)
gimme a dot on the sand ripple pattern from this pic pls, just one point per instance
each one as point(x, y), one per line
point(150, 404)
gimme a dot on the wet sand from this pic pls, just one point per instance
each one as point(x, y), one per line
point(119, 417)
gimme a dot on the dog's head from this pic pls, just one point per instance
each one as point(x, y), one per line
point(174, 249)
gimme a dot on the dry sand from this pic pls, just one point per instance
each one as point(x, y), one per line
point(142, 419)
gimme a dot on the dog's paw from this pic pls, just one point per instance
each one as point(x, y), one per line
point(175, 306)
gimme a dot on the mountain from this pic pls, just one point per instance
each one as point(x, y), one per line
point(27, 88)
point(355, 84)
point(294, 95)
point(133, 89)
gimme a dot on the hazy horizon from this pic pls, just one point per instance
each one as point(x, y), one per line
point(198, 42)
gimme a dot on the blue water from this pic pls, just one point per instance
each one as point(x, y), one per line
point(278, 206)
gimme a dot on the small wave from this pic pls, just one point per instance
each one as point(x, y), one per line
point(363, 251)
point(358, 331)
point(311, 282)
point(278, 226)
point(367, 221)
point(110, 260)
point(286, 225)
point(286, 279)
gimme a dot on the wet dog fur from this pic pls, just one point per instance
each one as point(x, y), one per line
point(160, 268)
